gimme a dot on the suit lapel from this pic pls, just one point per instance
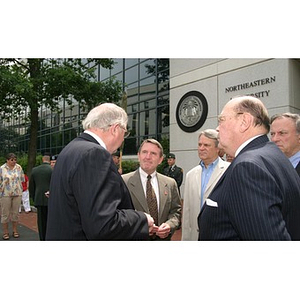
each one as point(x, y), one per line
point(163, 194)
point(137, 190)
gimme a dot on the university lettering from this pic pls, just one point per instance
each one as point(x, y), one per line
point(250, 84)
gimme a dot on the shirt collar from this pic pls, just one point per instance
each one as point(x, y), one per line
point(144, 174)
point(295, 159)
point(210, 165)
point(240, 148)
point(96, 137)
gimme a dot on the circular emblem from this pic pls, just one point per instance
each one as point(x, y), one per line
point(191, 111)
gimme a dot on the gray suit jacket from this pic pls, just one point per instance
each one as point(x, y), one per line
point(169, 199)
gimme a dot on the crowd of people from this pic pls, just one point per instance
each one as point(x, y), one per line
point(245, 187)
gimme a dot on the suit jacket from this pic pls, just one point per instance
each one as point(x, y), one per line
point(298, 168)
point(88, 198)
point(192, 196)
point(39, 183)
point(169, 200)
point(257, 198)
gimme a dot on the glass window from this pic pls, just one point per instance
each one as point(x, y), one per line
point(104, 73)
point(118, 66)
point(131, 75)
point(148, 122)
point(148, 104)
point(147, 88)
point(147, 68)
point(130, 62)
point(132, 93)
point(163, 119)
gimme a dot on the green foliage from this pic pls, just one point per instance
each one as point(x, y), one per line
point(31, 83)
point(129, 166)
point(22, 160)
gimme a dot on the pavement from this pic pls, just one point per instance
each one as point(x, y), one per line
point(27, 227)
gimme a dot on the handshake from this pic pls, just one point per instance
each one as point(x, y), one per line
point(161, 231)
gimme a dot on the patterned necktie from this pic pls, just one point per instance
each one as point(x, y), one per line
point(151, 200)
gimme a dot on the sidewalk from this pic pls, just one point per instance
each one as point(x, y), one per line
point(27, 228)
point(29, 232)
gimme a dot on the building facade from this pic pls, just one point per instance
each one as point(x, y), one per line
point(146, 86)
point(171, 100)
point(199, 88)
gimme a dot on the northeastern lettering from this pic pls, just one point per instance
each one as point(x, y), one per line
point(251, 84)
point(259, 95)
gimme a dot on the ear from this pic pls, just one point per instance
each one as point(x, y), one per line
point(246, 121)
point(113, 129)
point(161, 159)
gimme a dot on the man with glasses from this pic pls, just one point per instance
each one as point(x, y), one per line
point(257, 198)
point(88, 198)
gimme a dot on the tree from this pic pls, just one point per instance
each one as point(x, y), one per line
point(37, 82)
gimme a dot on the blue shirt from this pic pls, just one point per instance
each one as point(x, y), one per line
point(206, 174)
point(295, 159)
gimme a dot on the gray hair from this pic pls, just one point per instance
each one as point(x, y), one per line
point(105, 115)
point(152, 141)
point(294, 117)
point(211, 134)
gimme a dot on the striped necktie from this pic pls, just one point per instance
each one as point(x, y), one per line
point(151, 200)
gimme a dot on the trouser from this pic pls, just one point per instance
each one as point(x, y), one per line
point(42, 213)
point(10, 208)
point(25, 201)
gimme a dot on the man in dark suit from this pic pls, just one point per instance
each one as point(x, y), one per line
point(257, 198)
point(174, 171)
point(39, 185)
point(88, 198)
point(168, 213)
point(285, 133)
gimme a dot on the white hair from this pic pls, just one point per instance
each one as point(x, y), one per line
point(105, 115)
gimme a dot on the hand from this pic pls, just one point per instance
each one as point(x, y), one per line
point(163, 230)
point(153, 230)
point(150, 222)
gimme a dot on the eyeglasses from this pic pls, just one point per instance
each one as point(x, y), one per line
point(126, 133)
point(222, 119)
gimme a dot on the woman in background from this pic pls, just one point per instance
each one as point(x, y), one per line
point(11, 178)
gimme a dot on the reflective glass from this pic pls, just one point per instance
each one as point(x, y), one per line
point(130, 62)
point(131, 75)
point(147, 68)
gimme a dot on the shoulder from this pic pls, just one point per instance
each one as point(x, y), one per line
point(165, 179)
point(222, 163)
point(194, 170)
point(126, 177)
point(179, 169)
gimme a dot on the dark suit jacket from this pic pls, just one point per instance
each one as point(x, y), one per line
point(298, 168)
point(88, 198)
point(39, 184)
point(257, 198)
point(169, 200)
point(176, 173)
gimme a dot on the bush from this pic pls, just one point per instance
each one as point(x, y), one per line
point(129, 166)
